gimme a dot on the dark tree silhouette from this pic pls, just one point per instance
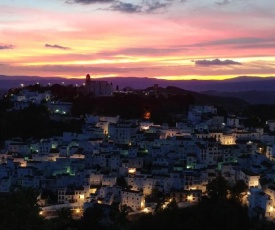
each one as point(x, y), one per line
point(238, 191)
point(217, 189)
point(19, 210)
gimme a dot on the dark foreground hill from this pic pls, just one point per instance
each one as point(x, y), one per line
point(163, 104)
point(169, 105)
point(227, 102)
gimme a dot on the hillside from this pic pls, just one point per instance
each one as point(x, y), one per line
point(229, 102)
point(252, 96)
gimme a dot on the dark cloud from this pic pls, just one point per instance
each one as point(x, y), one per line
point(6, 47)
point(147, 6)
point(57, 47)
point(216, 62)
point(256, 46)
point(125, 7)
point(87, 2)
point(231, 41)
point(239, 43)
point(154, 6)
point(224, 2)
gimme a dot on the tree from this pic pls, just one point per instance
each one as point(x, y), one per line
point(121, 182)
point(91, 217)
point(118, 216)
point(172, 205)
point(217, 189)
point(64, 218)
point(19, 210)
point(238, 190)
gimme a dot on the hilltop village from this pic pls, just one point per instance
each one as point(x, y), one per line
point(128, 161)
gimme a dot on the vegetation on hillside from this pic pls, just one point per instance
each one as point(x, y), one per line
point(169, 106)
point(19, 211)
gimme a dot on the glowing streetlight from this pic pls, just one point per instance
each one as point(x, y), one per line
point(146, 210)
point(189, 198)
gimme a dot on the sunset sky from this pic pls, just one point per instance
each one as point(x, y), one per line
point(166, 39)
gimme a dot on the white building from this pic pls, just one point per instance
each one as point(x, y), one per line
point(271, 125)
point(133, 199)
point(122, 132)
point(251, 179)
point(232, 121)
point(71, 195)
point(259, 204)
point(61, 108)
point(270, 152)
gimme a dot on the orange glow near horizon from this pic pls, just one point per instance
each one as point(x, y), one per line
point(192, 77)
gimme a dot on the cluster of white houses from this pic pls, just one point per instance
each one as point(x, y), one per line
point(84, 168)
point(26, 97)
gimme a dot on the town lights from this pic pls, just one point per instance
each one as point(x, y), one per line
point(146, 210)
point(132, 170)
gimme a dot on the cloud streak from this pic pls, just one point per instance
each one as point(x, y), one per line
point(83, 69)
point(87, 2)
point(216, 62)
point(57, 47)
point(6, 47)
point(150, 51)
point(232, 41)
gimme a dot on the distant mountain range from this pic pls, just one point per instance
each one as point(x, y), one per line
point(252, 96)
point(254, 90)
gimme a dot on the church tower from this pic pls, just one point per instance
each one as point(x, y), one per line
point(88, 80)
point(88, 83)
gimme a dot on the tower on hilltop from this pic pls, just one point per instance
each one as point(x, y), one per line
point(88, 80)
point(98, 88)
point(88, 83)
